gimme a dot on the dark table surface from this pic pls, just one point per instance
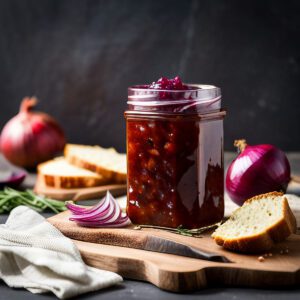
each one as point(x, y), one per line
point(130, 289)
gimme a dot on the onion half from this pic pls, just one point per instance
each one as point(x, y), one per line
point(106, 213)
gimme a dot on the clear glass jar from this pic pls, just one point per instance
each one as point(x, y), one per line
point(175, 156)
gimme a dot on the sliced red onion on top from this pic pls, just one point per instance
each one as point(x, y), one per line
point(106, 213)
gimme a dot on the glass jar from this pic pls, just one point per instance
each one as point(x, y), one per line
point(175, 156)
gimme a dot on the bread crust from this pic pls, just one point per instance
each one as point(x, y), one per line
point(68, 182)
point(264, 241)
point(110, 175)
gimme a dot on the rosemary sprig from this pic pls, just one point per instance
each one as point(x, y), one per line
point(180, 230)
point(10, 198)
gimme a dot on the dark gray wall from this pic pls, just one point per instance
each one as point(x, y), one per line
point(79, 57)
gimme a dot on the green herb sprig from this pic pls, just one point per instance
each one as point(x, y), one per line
point(10, 198)
point(180, 230)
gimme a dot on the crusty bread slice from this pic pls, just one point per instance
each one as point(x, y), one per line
point(59, 173)
point(106, 162)
point(253, 228)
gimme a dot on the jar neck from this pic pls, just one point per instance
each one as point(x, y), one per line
point(195, 99)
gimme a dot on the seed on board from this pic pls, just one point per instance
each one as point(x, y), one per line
point(286, 250)
point(270, 254)
point(261, 259)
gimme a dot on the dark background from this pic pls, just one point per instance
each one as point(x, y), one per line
point(79, 57)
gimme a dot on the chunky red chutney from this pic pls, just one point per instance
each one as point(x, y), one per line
point(175, 166)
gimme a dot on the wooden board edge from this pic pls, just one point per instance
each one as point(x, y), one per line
point(186, 281)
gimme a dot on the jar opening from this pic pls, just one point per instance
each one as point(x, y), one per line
point(196, 98)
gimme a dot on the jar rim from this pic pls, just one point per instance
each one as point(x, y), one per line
point(194, 87)
point(199, 97)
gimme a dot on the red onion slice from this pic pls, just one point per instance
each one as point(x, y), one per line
point(79, 209)
point(106, 213)
point(101, 210)
point(12, 178)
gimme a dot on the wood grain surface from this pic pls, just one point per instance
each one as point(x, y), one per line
point(118, 250)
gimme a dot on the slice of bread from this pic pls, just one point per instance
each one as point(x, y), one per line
point(106, 162)
point(59, 173)
point(253, 228)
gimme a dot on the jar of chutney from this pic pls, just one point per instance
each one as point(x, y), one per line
point(175, 173)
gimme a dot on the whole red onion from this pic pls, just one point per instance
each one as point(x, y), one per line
point(257, 169)
point(31, 137)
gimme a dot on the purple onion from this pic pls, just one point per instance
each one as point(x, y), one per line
point(107, 213)
point(257, 170)
point(13, 179)
point(31, 137)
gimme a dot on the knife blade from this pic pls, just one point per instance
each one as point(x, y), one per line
point(162, 245)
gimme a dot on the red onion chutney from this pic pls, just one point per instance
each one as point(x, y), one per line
point(175, 154)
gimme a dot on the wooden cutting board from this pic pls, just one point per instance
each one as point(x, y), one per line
point(79, 193)
point(101, 248)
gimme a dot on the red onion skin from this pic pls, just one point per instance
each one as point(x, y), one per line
point(31, 137)
point(267, 170)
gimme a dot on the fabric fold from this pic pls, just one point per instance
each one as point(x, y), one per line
point(36, 256)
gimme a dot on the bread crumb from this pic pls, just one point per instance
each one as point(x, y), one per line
point(286, 250)
point(281, 252)
point(261, 259)
point(270, 254)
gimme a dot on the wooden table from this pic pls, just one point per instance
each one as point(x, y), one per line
point(130, 289)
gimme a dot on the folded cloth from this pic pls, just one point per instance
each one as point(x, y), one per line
point(36, 256)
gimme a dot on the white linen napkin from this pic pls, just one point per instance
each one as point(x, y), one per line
point(36, 256)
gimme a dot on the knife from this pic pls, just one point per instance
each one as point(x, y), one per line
point(162, 245)
point(124, 237)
